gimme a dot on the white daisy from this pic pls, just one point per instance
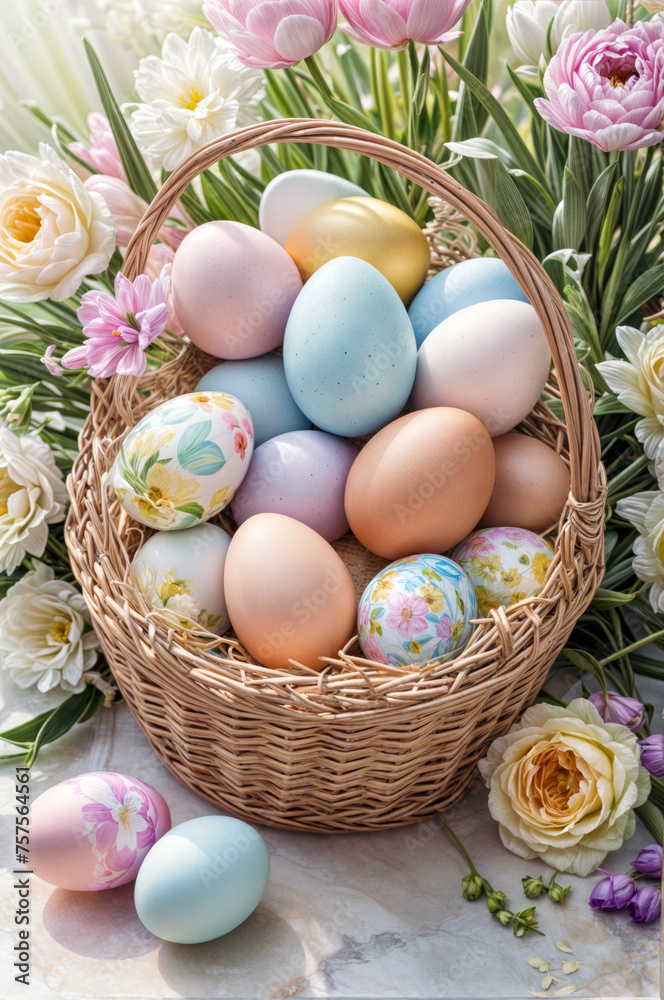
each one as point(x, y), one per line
point(646, 512)
point(639, 383)
point(194, 93)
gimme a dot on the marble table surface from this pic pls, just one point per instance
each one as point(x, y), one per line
point(364, 915)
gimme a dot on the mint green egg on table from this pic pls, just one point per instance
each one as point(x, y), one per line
point(202, 879)
point(349, 349)
point(261, 385)
point(467, 283)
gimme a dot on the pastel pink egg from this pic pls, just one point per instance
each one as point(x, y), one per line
point(92, 832)
point(301, 474)
point(233, 289)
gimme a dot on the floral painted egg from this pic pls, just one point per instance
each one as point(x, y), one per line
point(505, 565)
point(181, 573)
point(185, 460)
point(416, 610)
point(92, 832)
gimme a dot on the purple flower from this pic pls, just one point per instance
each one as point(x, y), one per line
point(652, 754)
point(649, 861)
point(646, 905)
point(613, 892)
point(625, 711)
point(119, 329)
point(608, 86)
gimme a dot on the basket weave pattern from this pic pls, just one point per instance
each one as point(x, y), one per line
point(355, 745)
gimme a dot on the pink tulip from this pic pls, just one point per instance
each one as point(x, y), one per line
point(128, 209)
point(608, 86)
point(102, 153)
point(271, 34)
point(390, 24)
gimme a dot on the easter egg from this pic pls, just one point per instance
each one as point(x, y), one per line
point(302, 475)
point(349, 349)
point(416, 610)
point(289, 594)
point(482, 279)
point(233, 288)
point(491, 359)
point(260, 383)
point(93, 831)
point(181, 573)
point(292, 194)
point(372, 230)
point(202, 879)
point(182, 463)
point(421, 484)
point(531, 487)
point(505, 565)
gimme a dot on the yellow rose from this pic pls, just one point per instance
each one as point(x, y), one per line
point(564, 785)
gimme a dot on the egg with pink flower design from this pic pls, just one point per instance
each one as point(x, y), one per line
point(93, 831)
point(416, 610)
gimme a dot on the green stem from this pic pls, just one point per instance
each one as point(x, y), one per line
point(459, 845)
point(628, 649)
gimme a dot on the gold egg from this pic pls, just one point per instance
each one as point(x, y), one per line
point(366, 228)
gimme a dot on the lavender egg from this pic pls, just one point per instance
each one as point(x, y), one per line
point(301, 474)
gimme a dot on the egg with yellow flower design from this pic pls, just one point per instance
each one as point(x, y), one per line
point(185, 460)
point(417, 610)
point(505, 565)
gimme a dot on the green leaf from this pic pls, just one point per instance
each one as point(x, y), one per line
point(468, 118)
point(585, 661)
point(196, 453)
point(597, 202)
point(569, 222)
point(520, 151)
point(139, 178)
point(499, 190)
point(604, 600)
point(652, 819)
point(192, 508)
point(194, 208)
point(26, 733)
point(61, 720)
point(479, 148)
point(648, 285)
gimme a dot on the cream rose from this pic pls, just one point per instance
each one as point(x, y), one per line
point(564, 784)
point(52, 231)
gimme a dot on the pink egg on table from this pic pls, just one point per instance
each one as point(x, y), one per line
point(92, 832)
point(301, 474)
point(233, 289)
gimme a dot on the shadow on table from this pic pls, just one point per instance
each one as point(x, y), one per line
point(261, 957)
point(98, 924)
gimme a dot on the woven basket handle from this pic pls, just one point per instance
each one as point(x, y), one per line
point(533, 279)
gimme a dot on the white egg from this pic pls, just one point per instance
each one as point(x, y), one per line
point(181, 573)
point(292, 194)
point(184, 461)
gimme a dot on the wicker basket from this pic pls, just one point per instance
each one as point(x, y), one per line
point(355, 745)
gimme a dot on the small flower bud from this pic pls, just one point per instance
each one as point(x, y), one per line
point(532, 886)
point(504, 916)
point(495, 901)
point(472, 886)
point(557, 892)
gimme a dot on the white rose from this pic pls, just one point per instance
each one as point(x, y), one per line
point(44, 633)
point(564, 784)
point(528, 23)
point(52, 231)
point(646, 512)
point(32, 496)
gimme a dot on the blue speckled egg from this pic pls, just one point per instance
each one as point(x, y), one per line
point(302, 475)
point(349, 351)
point(260, 383)
point(202, 879)
point(416, 610)
point(292, 194)
point(464, 284)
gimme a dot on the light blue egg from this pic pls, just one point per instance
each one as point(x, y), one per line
point(260, 383)
point(464, 284)
point(349, 350)
point(292, 194)
point(202, 879)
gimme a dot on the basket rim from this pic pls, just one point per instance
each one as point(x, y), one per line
point(578, 544)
